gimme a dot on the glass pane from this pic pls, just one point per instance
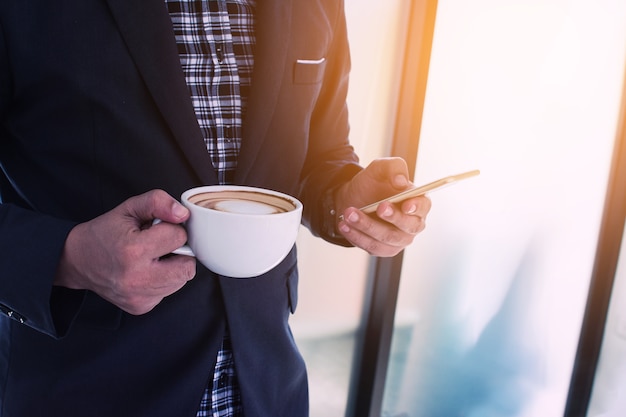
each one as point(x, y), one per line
point(493, 292)
point(332, 279)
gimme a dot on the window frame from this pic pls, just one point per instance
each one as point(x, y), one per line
point(373, 346)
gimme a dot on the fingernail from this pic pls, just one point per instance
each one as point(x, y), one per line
point(388, 212)
point(400, 181)
point(412, 209)
point(179, 211)
point(353, 218)
point(344, 228)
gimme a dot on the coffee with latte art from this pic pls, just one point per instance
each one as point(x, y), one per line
point(242, 202)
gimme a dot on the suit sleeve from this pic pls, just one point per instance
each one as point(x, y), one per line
point(331, 160)
point(30, 244)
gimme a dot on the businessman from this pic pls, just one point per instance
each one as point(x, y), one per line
point(109, 110)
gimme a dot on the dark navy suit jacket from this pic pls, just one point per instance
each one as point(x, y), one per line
point(93, 110)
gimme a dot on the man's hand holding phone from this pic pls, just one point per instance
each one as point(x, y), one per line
point(398, 214)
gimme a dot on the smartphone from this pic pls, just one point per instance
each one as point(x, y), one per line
point(417, 191)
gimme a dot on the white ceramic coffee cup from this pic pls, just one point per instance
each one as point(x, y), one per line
point(241, 237)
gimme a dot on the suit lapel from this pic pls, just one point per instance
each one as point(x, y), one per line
point(273, 23)
point(146, 28)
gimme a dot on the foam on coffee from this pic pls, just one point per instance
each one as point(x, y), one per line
point(242, 202)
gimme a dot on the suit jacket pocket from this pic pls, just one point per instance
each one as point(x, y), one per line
point(292, 288)
point(99, 313)
point(309, 71)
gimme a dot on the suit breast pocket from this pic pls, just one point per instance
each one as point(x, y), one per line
point(309, 71)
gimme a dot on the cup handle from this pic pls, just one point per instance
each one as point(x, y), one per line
point(183, 250)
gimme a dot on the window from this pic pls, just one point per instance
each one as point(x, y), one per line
point(492, 295)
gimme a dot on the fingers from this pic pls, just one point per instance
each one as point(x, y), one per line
point(149, 276)
point(156, 204)
point(392, 170)
point(163, 238)
point(372, 235)
point(167, 276)
point(383, 168)
point(409, 216)
point(382, 178)
point(390, 230)
point(138, 283)
point(140, 211)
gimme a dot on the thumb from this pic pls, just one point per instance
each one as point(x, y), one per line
point(157, 204)
point(393, 170)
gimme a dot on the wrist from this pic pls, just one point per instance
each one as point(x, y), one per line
point(332, 207)
point(67, 271)
point(330, 214)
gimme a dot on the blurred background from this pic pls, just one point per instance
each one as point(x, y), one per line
point(493, 292)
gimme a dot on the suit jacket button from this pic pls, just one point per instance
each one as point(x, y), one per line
point(17, 317)
point(12, 314)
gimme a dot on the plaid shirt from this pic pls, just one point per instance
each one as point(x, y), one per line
point(215, 41)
